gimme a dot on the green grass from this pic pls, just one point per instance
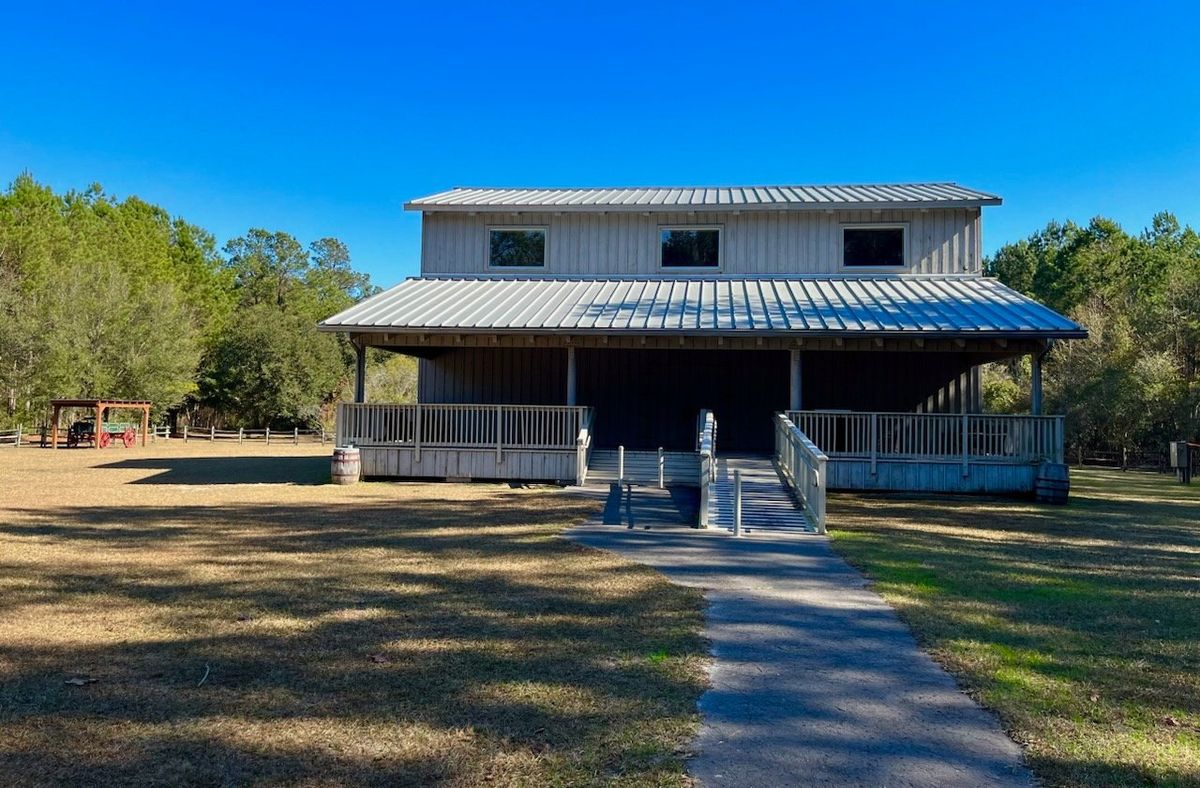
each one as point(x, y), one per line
point(1078, 625)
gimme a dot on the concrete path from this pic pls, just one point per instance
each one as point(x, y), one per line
point(815, 680)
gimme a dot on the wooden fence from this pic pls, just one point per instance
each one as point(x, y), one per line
point(802, 465)
point(462, 426)
point(267, 435)
point(933, 437)
point(13, 437)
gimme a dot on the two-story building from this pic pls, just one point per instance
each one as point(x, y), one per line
point(547, 318)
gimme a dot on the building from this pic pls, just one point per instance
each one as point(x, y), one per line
point(555, 325)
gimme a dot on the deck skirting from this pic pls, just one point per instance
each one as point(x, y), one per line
point(401, 462)
point(931, 476)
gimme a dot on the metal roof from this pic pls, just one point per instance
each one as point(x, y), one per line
point(882, 195)
point(832, 305)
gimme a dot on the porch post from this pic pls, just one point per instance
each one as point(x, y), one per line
point(1035, 385)
point(360, 372)
point(571, 375)
point(796, 399)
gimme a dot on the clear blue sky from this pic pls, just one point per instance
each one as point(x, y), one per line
point(322, 119)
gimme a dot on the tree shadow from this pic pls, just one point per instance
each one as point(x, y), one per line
point(279, 469)
point(405, 641)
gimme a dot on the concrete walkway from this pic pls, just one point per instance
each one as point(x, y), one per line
point(815, 680)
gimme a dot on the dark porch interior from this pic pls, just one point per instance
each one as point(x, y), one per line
point(646, 398)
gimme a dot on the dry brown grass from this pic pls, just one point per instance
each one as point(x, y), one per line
point(1079, 624)
point(381, 633)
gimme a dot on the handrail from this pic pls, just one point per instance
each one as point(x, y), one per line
point(583, 447)
point(945, 437)
point(497, 428)
point(802, 466)
point(706, 447)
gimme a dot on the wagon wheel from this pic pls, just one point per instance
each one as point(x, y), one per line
point(104, 439)
point(128, 437)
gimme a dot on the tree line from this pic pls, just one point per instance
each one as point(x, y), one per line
point(1134, 383)
point(118, 298)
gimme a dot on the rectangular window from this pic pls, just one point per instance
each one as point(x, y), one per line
point(517, 247)
point(690, 247)
point(873, 247)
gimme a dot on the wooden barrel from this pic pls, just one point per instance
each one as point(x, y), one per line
point(347, 466)
point(1053, 483)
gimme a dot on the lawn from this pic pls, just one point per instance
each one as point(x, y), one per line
point(1079, 625)
point(178, 616)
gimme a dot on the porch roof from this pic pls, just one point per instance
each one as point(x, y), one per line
point(911, 305)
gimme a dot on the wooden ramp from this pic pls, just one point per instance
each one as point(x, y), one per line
point(767, 504)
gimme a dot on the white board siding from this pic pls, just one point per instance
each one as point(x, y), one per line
point(942, 477)
point(940, 241)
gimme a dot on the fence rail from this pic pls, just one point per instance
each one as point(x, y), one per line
point(266, 435)
point(13, 437)
point(583, 447)
point(803, 467)
point(937, 437)
point(499, 427)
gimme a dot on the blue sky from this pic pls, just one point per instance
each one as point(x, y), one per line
point(322, 119)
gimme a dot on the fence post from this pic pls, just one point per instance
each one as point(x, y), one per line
point(499, 434)
point(295, 436)
point(241, 435)
point(965, 448)
point(185, 430)
point(18, 436)
point(874, 441)
point(662, 463)
point(620, 464)
point(737, 502)
point(212, 433)
point(417, 435)
point(268, 434)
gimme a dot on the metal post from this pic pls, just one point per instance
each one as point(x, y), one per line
point(661, 467)
point(621, 464)
point(571, 388)
point(737, 503)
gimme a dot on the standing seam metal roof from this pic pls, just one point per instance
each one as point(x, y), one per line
point(956, 305)
point(916, 195)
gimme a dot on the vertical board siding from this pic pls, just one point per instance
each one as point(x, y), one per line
point(940, 241)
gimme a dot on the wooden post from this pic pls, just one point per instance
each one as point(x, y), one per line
point(1035, 384)
point(662, 463)
point(621, 464)
point(295, 436)
point(571, 389)
point(499, 434)
point(360, 373)
point(417, 434)
point(966, 470)
point(99, 426)
point(241, 435)
point(185, 431)
point(18, 436)
point(54, 428)
point(796, 397)
point(145, 424)
point(268, 435)
point(737, 502)
point(874, 442)
point(212, 432)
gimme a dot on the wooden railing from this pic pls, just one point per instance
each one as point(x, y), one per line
point(706, 447)
point(933, 437)
point(583, 447)
point(13, 437)
point(802, 465)
point(498, 427)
